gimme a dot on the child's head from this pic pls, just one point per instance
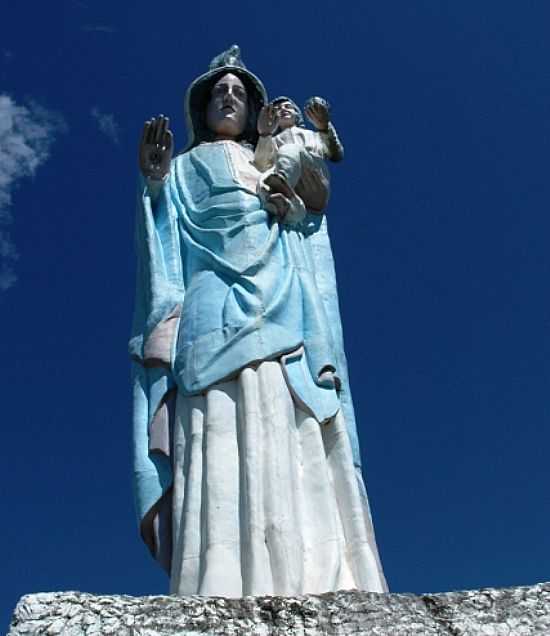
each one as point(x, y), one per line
point(288, 112)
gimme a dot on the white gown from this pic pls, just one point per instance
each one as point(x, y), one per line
point(266, 500)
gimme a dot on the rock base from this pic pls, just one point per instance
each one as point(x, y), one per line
point(490, 612)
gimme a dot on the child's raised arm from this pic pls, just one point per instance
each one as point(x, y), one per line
point(317, 110)
point(265, 151)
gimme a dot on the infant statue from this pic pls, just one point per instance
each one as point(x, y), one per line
point(292, 158)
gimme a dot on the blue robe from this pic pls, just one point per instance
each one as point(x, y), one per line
point(235, 287)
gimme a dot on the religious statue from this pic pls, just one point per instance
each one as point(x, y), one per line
point(246, 460)
point(292, 160)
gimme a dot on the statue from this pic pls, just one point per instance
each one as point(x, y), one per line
point(293, 158)
point(246, 461)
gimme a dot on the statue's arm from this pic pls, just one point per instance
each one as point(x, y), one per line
point(333, 146)
point(265, 152)
point(153, 188)
point(317, 111)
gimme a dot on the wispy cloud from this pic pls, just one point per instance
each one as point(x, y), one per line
point(26, 136)
point(107, 124)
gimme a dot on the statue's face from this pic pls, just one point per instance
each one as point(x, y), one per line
point(227, 110)
point(286, 113)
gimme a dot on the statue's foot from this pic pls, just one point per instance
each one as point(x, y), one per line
point(281, 200)
point(278, 205)
point(278, 184)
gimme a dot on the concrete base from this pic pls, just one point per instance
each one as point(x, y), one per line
point(491, 612)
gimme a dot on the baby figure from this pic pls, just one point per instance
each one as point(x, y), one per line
point(292, 157)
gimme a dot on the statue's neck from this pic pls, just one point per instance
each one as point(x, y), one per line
point(225, 138)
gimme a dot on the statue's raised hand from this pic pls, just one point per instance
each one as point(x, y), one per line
point(317, 110)
point(156, 148)
point(267, 120)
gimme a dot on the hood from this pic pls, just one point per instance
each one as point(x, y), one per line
point(198, 95)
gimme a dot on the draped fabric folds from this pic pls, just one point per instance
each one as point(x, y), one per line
point(266, 501)
point(228, 297)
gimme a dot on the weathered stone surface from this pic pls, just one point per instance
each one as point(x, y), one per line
point(515, 611)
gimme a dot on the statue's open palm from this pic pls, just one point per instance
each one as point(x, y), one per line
point(156, 148)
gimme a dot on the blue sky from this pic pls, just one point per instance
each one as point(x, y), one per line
point(440, 226)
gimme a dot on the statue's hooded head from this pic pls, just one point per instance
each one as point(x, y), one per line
point(200, 93)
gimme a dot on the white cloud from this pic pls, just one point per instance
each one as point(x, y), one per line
point(107, 124)
point(26, 135)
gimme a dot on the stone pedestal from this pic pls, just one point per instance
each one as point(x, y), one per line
point(491, 612)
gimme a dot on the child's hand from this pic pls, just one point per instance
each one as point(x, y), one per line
point(267, 121)
point(317, 110)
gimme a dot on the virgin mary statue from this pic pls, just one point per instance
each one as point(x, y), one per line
point(246, 461)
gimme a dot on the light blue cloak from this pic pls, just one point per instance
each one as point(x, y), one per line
point(221, 285)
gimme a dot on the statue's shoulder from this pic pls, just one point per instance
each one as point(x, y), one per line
point(180, 158)
point(181, 161)
point(186, 154)
point(309, 136)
